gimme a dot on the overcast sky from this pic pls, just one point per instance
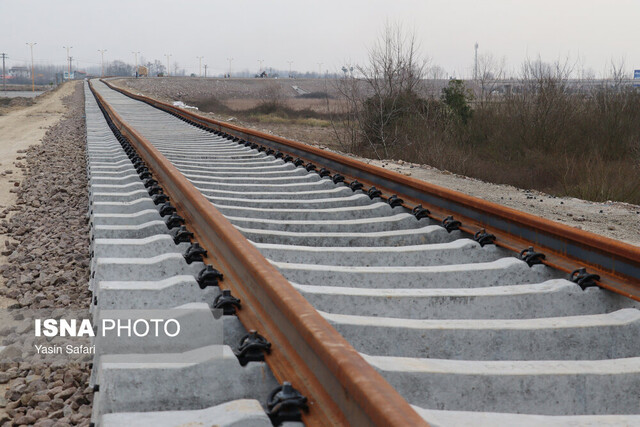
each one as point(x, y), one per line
point(329, 31)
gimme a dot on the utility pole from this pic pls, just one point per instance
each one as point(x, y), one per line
point(475, 68)
point(200, 70)
point(260, 61)
point(70, 65)
point(230, 60)
point(320, 70)
point(205, 70)
point(290, 75)
point(136, 55)
point(68, 49)
point(168, 56)
point(102, 51)
point(33, 77)
point(4, 74)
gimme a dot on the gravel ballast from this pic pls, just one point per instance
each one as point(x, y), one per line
point(48, 267)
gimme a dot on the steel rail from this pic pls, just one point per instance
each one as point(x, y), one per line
point(343, 389)
point(566, 248)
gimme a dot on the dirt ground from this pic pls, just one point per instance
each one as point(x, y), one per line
point(19, 128)
point(616, 220)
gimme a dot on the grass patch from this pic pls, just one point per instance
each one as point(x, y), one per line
point(273, 118)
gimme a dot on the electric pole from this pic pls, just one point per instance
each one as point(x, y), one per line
point(320, 70)
point(4, 74)
point(475, 68)
point(200, 69)
point(290, 74)
point(260, 61)
point(168, 56)
point(136, 55)
point(33, 77)
point(205, 70)
point(230, 60)
point(68, 49)
point(102, 51)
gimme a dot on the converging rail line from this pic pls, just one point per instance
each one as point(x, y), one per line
point(370, 298)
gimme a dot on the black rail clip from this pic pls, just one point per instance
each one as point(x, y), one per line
point(531, 257)
point(285, 403)
point(451, 224)
point(395, 201)
point(355, 185)
point(227, 302)
point(324, 172)
point(278, 155)
point(261, 148)
point(209, 276)
point(584, 279)
point(160, 198)
point(374, 192)
point(287, 158)
point(149, 182)
point(337, 178)
point(145, 174)
point(484, 238)
point(195, 252)
point(174, 221)
point(419, 212)
point(154, 189)
point(252, 348)
point(166, 209)
point(269, 152)
point(248, 143)
point(181, 235)
point(298, 162)
point(310, 166)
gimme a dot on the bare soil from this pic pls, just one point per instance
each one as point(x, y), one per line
point(620, 221)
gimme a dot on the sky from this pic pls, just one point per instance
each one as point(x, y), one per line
point(591, 33)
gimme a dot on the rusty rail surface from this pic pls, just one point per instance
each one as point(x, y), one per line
point(566, 248)
point(342, 388)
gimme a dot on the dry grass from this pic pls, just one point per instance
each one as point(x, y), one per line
point(278, 119)
point(578, 145)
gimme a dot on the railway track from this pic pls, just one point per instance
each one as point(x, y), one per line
point(378, 311)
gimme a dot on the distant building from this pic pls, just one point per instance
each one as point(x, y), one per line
point(19, 72)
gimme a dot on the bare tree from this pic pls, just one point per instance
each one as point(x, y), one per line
point(490, 71)
point(388, 88)
point(436, 72)
point(542, 103)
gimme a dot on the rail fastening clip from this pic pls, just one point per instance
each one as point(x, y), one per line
point(227, 302)
point(531, 257)
point(584, 279)
point(285, 403)
point(252, 348)
point(209, 276)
